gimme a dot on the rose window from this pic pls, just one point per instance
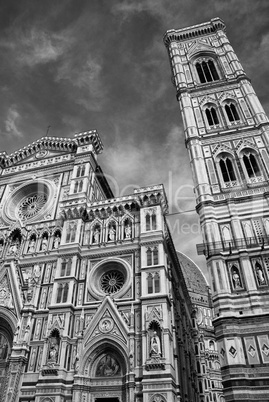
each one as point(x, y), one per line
point(30, 201)
point(112, 281)
point(30, 206)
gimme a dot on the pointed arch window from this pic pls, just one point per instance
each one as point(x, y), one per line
point(153, 282)
point(66, 268)
point(155, 256)
point(251, 165)
point(151, 221)
point(150, 283)
point(211, 115)
point(59, 293)
point(227, 170)
point(231, 112)
point(80, 171)
point(62, 292)
point(71, 232)
point(207, 71)
point(152, 256)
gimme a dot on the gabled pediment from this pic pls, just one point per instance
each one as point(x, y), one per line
point(48, 148)
point(107, 323)
point(221, 147)
point(245, 143)
point(199, 46)
point(207, 99)
point(41, 155)
point(45, 148)
point(10, 295)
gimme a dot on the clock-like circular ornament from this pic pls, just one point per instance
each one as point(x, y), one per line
point(30, 201)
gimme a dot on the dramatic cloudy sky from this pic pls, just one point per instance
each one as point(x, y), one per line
point(93, 64)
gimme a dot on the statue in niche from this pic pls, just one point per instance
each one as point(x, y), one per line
point(3, 347)
point(111, 233)
point(44, 244)
point(53, 350)
point(128, 231)
point(260, 275)
point(14, 248)
point(155, 345)
point(57, 241)
point(96, 236)
point(76, 364)
point(107, 366)
point(236, 278)
point(31, 248)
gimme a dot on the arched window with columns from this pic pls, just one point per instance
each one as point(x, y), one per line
point(251, 165)
point(227, 169)
point(212, 116)
point(207, 71)
point(232, 112)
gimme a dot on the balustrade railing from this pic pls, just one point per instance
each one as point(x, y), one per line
point(227, 246)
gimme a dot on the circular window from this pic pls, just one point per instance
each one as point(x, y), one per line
point(30, 201)
point(109, 277)
point(112, 281)
point(30, 206)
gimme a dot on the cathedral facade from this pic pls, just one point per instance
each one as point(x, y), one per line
point(226, 133)
point(95, 302)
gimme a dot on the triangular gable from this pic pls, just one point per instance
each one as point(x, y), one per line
point(106, 322)
point(222, 147)
point(51, 148)
point(42, 149)
point(207, 99)
point(41, 155)
point(199, 46)
point(244, 143)
point(10, 295)
point(226, 95)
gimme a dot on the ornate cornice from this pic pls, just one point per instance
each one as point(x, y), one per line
point(194, 31)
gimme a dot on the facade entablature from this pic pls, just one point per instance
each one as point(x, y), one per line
point(151, 239)
point(39, 164)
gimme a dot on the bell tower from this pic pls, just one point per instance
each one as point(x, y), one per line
point(226, 135)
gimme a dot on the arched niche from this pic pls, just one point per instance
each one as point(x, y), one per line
point(6, 342)
point(106, 360)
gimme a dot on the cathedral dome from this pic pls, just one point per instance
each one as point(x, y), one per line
point(195, 280)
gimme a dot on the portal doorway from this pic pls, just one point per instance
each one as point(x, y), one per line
point(107, 399)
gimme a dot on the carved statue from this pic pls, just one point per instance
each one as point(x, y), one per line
point(57, 241)
point(53, 351)
point(128, 231)
point(111, 233)
point(236, 279)
point(96, 236)
point(260, 276)
point(155, 345)
point(14, 248)
point(76, 364)
point(44, 244)
point(31, 248)
point(3, 347)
